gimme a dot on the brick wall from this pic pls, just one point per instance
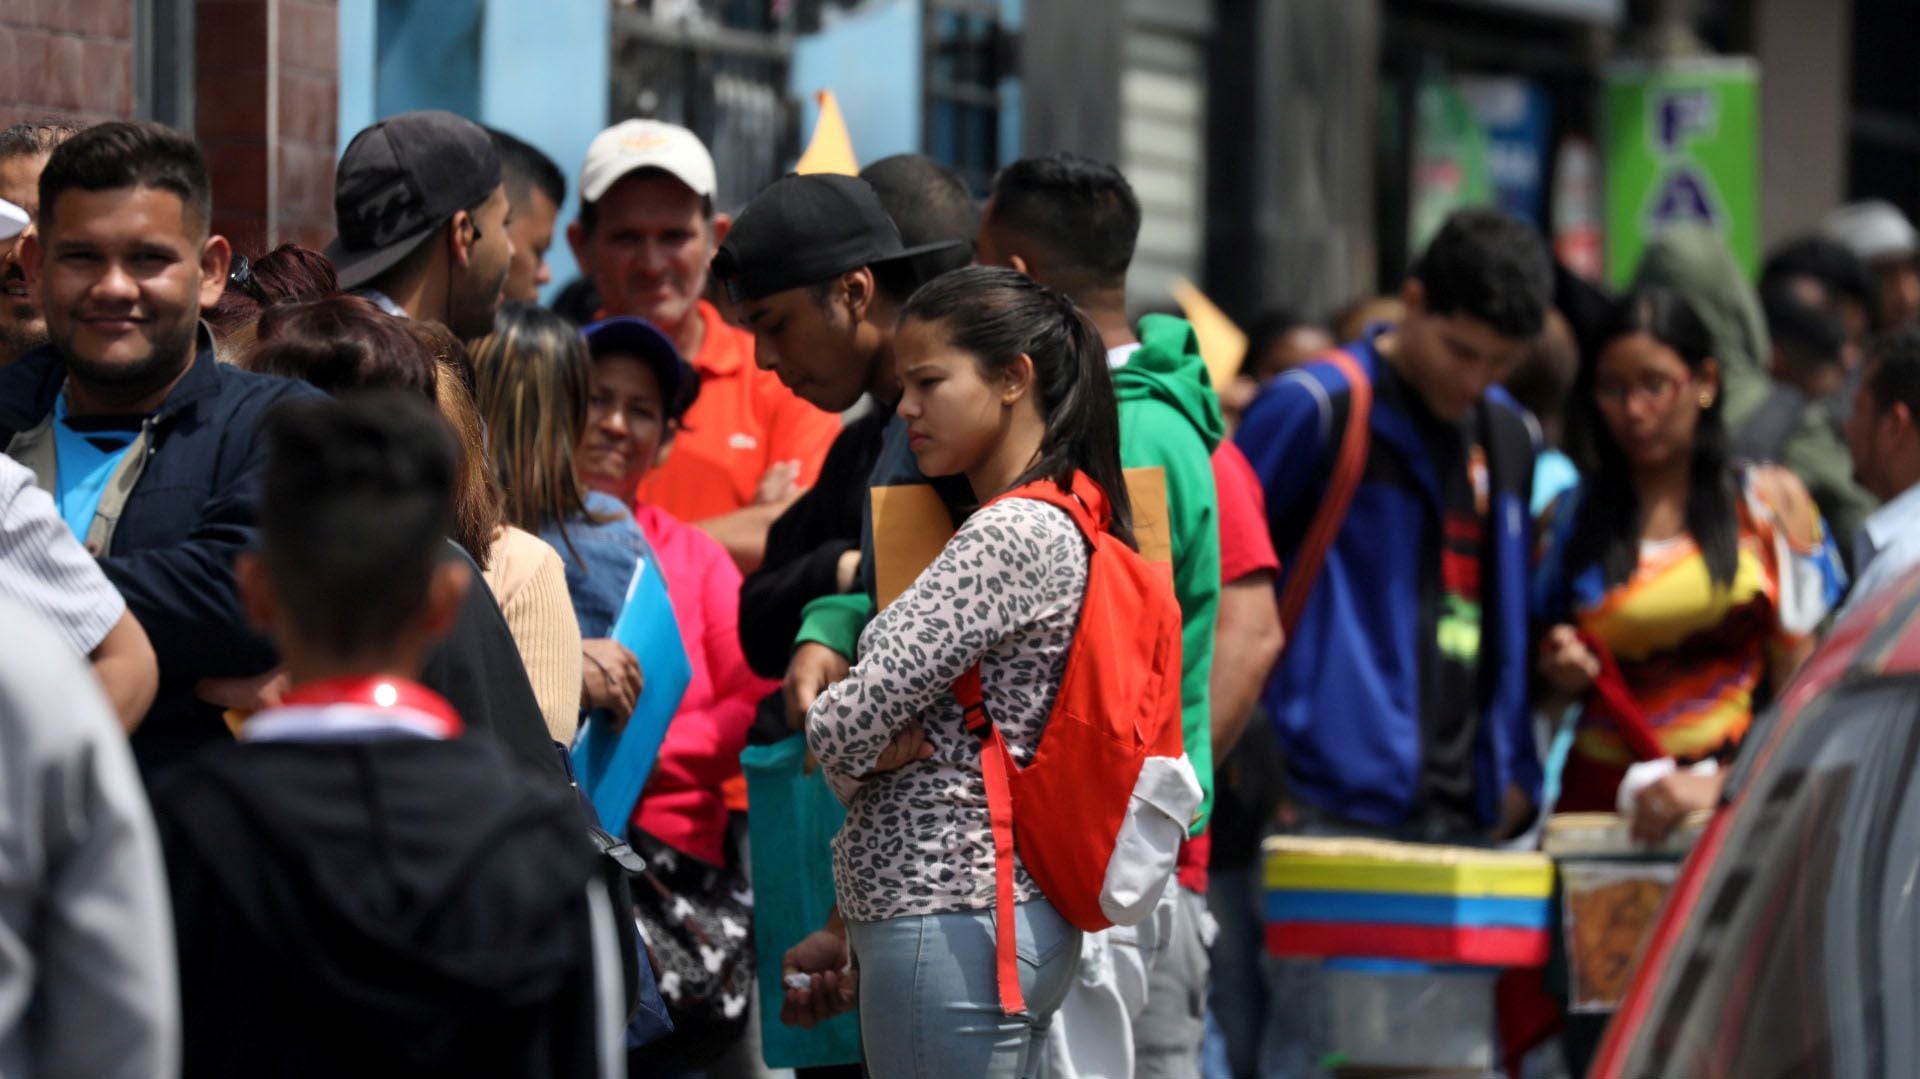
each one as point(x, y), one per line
point(309, 119)
point(71, 59)
point(266, 89)
point(272, 173)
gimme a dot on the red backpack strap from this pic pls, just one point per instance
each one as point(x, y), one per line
point(1348, 467)
point(1612, 700)
point(1086, 503)
point(994, 765)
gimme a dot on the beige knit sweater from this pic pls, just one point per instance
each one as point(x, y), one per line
point(530, 583)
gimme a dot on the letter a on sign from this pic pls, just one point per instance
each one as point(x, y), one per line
point(1684, 197)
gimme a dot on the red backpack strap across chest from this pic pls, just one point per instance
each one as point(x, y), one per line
point(1350, 463)
point(1086, 504)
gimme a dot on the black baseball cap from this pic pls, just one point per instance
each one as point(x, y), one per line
point(645, 342)
point(803, 230)
point(400, 180)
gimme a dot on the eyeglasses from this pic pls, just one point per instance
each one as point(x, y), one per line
point(240, 277)
point(1655, 389)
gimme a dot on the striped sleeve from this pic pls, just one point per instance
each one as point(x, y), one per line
point(44, 567)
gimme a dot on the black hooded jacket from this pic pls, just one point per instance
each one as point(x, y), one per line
point(389, 907)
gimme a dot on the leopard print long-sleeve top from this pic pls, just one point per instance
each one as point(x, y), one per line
point(1004, 593)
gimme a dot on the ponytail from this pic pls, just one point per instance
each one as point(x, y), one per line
point(997, 315)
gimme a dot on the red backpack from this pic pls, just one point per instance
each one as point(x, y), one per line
point(1099, 815)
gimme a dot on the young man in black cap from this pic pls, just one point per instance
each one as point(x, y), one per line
point(818, 271)
point(423, 220)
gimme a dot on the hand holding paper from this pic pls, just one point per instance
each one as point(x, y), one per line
point(612, 758)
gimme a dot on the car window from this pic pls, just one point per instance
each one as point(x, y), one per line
point(1801, 956)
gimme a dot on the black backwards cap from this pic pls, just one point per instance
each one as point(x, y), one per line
point(803, 230)
point(400, 180)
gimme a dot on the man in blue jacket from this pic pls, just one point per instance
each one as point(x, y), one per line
point(1401, 697)
point(145, 442)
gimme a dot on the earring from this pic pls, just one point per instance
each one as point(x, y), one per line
point(1706, 399)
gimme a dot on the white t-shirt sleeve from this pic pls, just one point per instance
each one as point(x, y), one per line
point(46, 569)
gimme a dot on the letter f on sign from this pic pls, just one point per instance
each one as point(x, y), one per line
point(1679, 115)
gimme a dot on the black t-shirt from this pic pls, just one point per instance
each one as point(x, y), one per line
point(1452, 552)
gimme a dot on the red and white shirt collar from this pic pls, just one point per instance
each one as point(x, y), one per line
point(359, 709)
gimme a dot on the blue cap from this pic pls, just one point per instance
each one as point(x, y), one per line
point(644, 341)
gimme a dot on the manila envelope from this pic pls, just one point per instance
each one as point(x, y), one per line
point(911, 525)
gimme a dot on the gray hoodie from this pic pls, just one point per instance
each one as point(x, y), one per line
point(87, 982)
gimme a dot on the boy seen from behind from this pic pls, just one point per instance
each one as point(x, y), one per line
point(353, 861)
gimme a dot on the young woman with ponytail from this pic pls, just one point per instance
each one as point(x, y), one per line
point(1004, 382)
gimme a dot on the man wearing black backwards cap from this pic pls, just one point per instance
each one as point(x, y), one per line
point(810, 263)
point(818, 271)
point(813, 550)
point(422, 216)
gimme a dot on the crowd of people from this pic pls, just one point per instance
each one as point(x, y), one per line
point(312, 564)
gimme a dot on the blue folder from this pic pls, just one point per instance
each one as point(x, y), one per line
point(612, 764)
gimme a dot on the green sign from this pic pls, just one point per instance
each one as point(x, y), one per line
point(1449, 161)
point(1682, 144)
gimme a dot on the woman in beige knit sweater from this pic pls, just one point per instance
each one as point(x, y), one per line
point(524, 573)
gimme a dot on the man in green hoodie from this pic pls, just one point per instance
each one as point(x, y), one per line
point(1071, 223)
point(1695, 261)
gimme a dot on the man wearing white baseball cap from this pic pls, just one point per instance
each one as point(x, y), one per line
point(646, 233)
point(1881, 236)
point(13, 220)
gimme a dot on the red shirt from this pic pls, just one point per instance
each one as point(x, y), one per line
point(1246, 546)
point(743, 423)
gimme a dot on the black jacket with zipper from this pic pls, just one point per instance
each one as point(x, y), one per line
point(387, 907)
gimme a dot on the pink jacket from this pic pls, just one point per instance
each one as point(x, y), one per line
point(682, 805)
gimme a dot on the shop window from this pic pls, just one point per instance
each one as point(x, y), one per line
point(965, 58)
point(163, 68)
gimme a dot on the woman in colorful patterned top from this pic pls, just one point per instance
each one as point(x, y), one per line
point(1678, 587)
point(1005, 382)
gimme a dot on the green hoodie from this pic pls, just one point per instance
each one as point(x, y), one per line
point(1170, 418)
point(1694, 261)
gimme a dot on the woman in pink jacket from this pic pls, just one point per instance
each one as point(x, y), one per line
point(694, 907)
point(638, 388)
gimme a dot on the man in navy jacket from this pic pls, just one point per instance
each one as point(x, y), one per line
point(144, 440)
point(148, 445)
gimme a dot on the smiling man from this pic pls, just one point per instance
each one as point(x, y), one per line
point(24, 149)
point(646, 233)
point(144, 440)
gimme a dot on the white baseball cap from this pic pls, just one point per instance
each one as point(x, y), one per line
point(13, 220)
point(646, 144)
point(1872, 230)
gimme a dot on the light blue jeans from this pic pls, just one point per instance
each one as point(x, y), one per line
point(930, 1000)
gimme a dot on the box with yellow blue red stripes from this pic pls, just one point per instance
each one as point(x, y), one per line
point(1374, 899)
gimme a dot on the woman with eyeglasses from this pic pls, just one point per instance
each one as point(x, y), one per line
point(576, 419)
point(1678, 587)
